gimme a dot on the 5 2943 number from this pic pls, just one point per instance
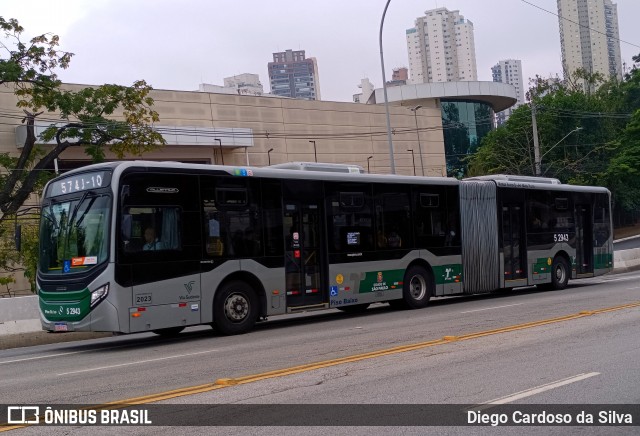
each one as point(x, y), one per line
point(561, 237)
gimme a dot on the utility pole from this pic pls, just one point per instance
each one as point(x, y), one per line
point(536, 144)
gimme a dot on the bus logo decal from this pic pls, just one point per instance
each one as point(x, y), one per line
point(162, 190)
point(189, 286)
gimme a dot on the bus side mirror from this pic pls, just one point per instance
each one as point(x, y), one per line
point(17, 237)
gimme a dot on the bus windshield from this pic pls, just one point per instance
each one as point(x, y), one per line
point(74, 234)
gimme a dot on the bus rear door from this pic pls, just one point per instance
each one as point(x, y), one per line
point(514, 248)
point(584, 239)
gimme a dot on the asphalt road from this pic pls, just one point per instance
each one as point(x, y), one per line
point(590, 359)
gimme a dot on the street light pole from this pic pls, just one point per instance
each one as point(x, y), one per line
point(415, 115)
point(368, 167)
point(269, 155)
point(314, 151)
point(413, 158)
point(539, 162)
point(220, 145)
point(386, 99)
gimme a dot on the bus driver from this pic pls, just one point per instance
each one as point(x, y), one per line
point(151, 242)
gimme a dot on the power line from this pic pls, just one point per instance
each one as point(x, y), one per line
point(581, 25)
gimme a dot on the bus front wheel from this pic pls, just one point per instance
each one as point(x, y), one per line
point(235, 308)
point(416, 290)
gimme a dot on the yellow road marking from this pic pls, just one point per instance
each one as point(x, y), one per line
point(227, 382)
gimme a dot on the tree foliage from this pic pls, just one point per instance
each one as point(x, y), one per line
point(87, 116)
point(589, 133)
point(107, 117)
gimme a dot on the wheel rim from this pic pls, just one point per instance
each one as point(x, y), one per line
point(560, 273)
point(236, 307)
point(417, 287)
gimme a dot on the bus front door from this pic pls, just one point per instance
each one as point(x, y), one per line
point(512, 243)
point(584, 239)
point(303, 254)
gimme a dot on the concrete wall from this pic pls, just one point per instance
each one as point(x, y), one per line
point(343, 132)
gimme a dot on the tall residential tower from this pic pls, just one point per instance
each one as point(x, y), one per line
point(293, 75)
point(589, 37)
point(509, 71)
point(441, 48)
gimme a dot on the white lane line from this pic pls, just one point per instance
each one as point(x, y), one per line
point(43, 357)
point(137, 363)
point(534, 391)
point(25, 359)
point(489, 308)
point(621, 279)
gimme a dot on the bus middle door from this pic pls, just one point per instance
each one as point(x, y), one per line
point(302, 254)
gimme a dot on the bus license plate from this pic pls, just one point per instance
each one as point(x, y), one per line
point(60, 327)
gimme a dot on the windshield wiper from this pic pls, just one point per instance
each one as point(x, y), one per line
point(93, 199)
point(75, 209)
point(71, 218)
point(51, 218)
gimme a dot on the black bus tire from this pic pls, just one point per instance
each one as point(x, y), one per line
point(559, 273)
point(235, 308)
point(416, 290)
point(168, 332)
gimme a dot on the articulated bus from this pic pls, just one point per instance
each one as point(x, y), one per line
point(140, 246)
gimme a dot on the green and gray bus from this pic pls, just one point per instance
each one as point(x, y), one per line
point(157, 246)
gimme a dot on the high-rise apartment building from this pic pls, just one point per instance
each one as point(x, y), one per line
point(291, 74)
point(509, 71)
point(589, 37)
point(399, 77)
point(441, 48)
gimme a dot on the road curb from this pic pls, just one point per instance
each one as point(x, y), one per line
point(29, 339)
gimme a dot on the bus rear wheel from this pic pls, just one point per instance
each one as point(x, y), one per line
point(235, 308)
point(559, 273)
point(416, 290)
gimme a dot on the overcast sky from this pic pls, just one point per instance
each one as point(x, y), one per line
point(178, 44)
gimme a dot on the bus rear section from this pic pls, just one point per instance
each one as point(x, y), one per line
point(535, 232)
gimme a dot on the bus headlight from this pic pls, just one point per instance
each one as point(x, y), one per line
point(99, 294)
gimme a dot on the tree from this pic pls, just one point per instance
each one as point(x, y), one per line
point(623, 173)
point(581, 157)
point(85, 114)
point(106, 117)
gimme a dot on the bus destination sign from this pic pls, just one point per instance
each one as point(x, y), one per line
point(79, 183)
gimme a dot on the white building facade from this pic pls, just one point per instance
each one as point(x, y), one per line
point(441, 48)
point(240, 84)
point(367, 89)
point(589, 37)
point(509, 71)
